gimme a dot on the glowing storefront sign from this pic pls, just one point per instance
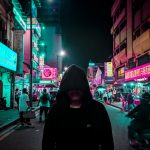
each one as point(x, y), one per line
point(35, 58)
point(41, 61)
point(108, 69)
point(35, 25)
point(8, 58)
point(19, 19)
point(138, 72)
point(49, 73)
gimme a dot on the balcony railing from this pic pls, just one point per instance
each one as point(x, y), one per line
point(114, 7)
point(121, 16)
point(120, 57)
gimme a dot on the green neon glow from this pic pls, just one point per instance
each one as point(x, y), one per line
point(42, 55)
point(91, 64)
point(19, 19)
point(42, 44)
point(8, 57)
point(43, 27)
point(132, 84)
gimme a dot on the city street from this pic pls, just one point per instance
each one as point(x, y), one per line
point(30, 138)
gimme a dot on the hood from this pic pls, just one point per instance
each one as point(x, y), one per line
point(73, 79)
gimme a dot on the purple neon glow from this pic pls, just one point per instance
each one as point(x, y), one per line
point(138, 72)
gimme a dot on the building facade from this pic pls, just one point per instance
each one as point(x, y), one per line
point(8, 59)
point(131, 36)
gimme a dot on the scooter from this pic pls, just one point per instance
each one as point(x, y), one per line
point(142, 139)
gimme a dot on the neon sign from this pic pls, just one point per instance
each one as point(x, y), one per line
point(49, 73)
point(138, 72)
point(8, 58)
point(108, 69)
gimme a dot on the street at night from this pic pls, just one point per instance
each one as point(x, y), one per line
point(30, 138)
point(72, 69)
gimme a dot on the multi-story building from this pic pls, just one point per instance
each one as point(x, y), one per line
point(131, 39)
point(8, 58)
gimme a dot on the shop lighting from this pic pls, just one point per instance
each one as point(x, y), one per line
point(124, 84)
point(132, 84)
point(43, 27)
point(42, 55)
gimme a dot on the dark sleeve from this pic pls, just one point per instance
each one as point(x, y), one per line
point(48, 142)
point(107, 142)
point(132, 112)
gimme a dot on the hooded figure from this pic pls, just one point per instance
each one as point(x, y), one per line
point(71, 126)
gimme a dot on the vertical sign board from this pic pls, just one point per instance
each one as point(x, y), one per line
point(8, 58)
point(108, 69)
point(18, 47)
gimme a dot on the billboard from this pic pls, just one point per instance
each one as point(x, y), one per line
point(8, 58)
point(138, 72)
point(49, 73)
point(108, 69)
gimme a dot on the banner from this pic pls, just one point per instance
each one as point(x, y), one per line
point(138, 72)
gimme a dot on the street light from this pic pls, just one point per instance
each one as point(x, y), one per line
point(62, 53)
point(65, 68)
point(60, 56)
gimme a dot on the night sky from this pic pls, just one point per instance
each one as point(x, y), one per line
point(86, 31)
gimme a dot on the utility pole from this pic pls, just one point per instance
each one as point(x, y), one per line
point(31, 65)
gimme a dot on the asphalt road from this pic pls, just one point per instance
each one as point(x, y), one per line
point(30, 138)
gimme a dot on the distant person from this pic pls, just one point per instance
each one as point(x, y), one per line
point(130, 100)
point(105, 97)
point(110, 96)
point(44, 102)
point(76, 121)
point(17, 95)
point(23, 106)
point(101, 95)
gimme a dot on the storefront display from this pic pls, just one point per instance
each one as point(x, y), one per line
point(138, 72)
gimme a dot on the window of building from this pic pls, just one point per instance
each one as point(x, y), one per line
point(123, 45)
point(136, 33)
point(121, 72)
point(3, 31)
point(143, 59)
point(131, 63)
point(145, 26)
point(141, 29)
point(123, 24)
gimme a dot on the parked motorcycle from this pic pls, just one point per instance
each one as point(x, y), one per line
point(142, 139)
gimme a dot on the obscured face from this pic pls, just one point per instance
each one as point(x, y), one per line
point(75, 95)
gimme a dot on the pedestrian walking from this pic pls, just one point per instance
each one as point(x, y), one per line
point(124, 103)
point(44, 102)
point(101, 95)
point(76, 121)
point(23, 106)
point(110, 96)
point(17, 95)
point(130, 101)
point(105, 97)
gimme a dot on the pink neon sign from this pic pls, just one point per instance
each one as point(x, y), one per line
point(49, 73)
point(138, 72)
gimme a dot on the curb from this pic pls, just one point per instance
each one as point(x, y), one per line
point(114, 106)
point(5, 126)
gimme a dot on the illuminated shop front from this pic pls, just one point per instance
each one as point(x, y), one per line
point(8, 65)
point(138, 78)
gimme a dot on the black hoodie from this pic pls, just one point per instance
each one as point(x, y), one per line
point(87, 128)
